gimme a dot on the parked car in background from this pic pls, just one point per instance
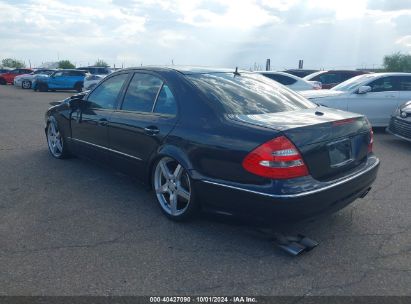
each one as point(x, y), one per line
point(25, 81)
point(293, 82)
point(400, 123)
point(94, 76)
point(96, 70)
point(331, 78)
point(90, 81)
point(60, 80)
point(376, 96)
point(8, 77)
point(223, 140)
point(4, 70)
point(300, 72)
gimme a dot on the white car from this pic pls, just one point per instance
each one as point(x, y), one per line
point(94, 76)
point(26, 80)
point(291, 81)
point(376, 96)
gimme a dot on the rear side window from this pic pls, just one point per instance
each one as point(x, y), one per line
point(248, 94)
point(404, 83)
point(285, 80)
point(141, 93)
point(105, 95)
point(166, 103)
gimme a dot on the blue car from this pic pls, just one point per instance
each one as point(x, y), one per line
point(60, 80)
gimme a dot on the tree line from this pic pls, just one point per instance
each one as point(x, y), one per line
point(62, 64)
point(397, 62)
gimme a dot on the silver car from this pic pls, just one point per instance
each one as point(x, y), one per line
point(376, 96)
point(25, 81)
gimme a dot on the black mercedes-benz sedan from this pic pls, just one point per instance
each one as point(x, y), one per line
point(223, 140)
point(400, 123)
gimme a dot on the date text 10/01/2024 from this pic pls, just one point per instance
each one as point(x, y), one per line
point(205, 299)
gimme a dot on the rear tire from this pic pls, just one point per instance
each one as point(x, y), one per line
point(174, 190)
point(43, 87)
point(3, 81)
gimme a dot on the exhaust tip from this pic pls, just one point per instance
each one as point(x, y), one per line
point(364, 194)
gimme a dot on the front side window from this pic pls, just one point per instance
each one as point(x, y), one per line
point(383, 84)
point(105, 95)
point(329, 78)
point(248, 94)
point(141, 93)
point(58, 74)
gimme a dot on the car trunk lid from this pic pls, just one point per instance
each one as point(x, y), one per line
point(331, 142)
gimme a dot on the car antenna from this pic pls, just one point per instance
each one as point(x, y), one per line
point(236, 73)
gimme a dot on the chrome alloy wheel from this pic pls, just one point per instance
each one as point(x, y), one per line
point(54, 140)
point(26, 84)
point(172, 187)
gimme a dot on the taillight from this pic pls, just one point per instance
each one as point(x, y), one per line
point(276, 159)
point(370, 144)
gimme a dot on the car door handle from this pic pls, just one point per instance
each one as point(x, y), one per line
point(151, 130)
point(103, 122)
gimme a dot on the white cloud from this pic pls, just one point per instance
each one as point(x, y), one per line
point(207, 32)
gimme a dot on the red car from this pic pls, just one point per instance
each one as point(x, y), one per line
point(8, 77)
point(331, 78)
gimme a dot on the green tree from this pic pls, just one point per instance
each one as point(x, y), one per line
point(397, 62)
point(12, 63)
point(101, 63)
point(66, 64)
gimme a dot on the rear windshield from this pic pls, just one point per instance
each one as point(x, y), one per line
point(248, 94)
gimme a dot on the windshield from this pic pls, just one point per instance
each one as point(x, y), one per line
point(352, 83)
point(248, 94)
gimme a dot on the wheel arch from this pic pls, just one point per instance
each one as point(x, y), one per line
point(171, 151)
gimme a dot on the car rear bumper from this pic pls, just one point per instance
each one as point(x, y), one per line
point(400, 127)
point(330, 197)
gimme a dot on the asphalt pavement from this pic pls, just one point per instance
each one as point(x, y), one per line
point(72, 227)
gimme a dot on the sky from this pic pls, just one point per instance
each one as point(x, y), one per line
point(326, 34)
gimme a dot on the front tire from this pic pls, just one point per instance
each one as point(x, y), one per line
point(55, 141)
point(26, 84)
point(174, 190)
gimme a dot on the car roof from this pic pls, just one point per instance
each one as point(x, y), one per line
point(70, 70)
point(392, 74)
point(188, 70)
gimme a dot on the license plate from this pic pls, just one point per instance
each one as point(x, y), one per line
point(340, 153)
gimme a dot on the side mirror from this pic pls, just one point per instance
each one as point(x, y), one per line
point(77, 100)
point(364, 89)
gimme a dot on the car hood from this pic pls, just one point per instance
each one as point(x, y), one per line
point(321, 93)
